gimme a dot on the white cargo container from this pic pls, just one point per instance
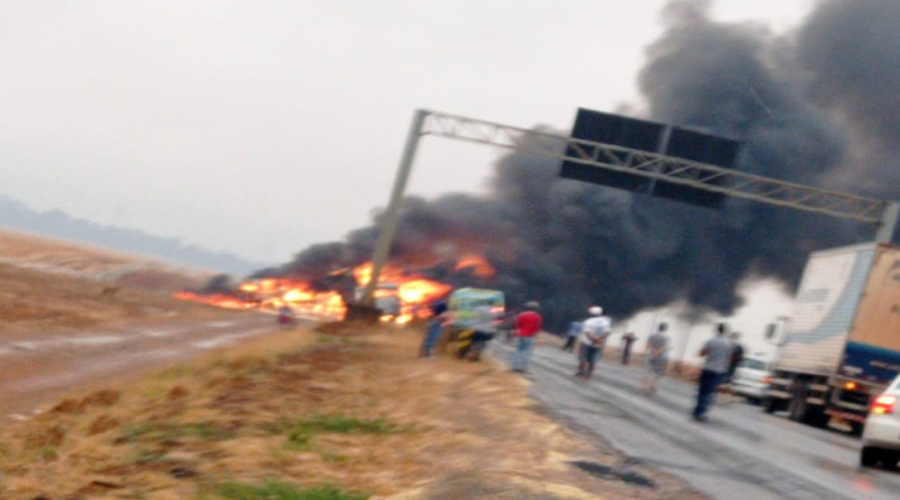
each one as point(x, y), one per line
point(843, 345)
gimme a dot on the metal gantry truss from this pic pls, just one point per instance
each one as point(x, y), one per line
point(657, 166)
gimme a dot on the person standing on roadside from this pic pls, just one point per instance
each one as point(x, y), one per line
point(658, 346)
point(594, 332)
point(717, 351)
point(572, 336)
point(435, 328)
point(286, 317)
point(508, 326)
point(627, 340)
point(484, 331)
point(528, 324)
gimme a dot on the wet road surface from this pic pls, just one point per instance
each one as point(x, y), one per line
point(741, 453)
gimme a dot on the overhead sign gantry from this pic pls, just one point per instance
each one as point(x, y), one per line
point(649, 167)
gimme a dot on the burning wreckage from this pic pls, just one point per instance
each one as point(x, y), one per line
point(403, 294)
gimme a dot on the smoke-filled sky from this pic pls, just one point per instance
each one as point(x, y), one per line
point(816, 105)
point(261, 128)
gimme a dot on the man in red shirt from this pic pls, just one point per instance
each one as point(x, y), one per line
point(528, 324)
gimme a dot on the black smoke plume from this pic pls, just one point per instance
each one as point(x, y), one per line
point(817, 106)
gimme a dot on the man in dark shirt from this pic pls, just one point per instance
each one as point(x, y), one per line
point(627, 341)
point(737, 355)
point(435, 327)
point(717, 351)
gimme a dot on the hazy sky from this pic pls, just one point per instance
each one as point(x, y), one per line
point(262, 126)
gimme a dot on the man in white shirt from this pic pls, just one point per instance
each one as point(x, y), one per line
point(594, 332)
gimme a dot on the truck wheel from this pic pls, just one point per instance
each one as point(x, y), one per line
point(771, 405)
point(891, 459)
point(797, 408)
point(816, 417)
point(868, 457)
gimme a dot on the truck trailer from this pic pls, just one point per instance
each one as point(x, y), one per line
point(843, 342)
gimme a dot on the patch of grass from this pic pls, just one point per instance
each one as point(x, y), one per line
point(282, 457)
point(149, 457)
point(335, 458)
point(172, 432)
point(325, 338)
point(293, 357)
point(299, 439)
point(176, 372)
point(300, 434)
point(48, 454)
point(340, 424)
point(278, 490)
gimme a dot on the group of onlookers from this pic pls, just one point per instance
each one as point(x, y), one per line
point(721, 354)
point(524, 326)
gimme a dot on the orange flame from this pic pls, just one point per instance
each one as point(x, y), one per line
point(422, 291)
point(220, 300)
point(413, 292)
point(272, 294)
point(363, 273)
point(478, 264)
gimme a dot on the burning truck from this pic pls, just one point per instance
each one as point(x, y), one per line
point(403, 292)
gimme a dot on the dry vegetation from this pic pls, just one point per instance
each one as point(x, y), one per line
point(342, 412)
point(34, 300)
point(47, 285)
point(351, 410)
point(27, 251)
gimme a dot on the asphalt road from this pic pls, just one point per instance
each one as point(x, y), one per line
point(741, 453)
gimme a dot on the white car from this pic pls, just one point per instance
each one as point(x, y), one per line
point(751, 378)
point(881, 436)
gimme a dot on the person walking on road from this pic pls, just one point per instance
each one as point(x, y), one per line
point(627, 341)
point(717, 351)
point(572, 336)
point(658, 346)
point(528, 324)
point(594, 332)
point(737, 355)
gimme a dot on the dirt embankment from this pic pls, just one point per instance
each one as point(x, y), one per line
point(101, 266)
point(346, 409)
point(52, 286)
point(345, 412)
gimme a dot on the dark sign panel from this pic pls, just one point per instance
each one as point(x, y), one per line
point(649, 137)
point(703, 148)
point(616, 130)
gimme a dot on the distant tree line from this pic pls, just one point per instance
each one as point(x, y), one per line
point(56, 223)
